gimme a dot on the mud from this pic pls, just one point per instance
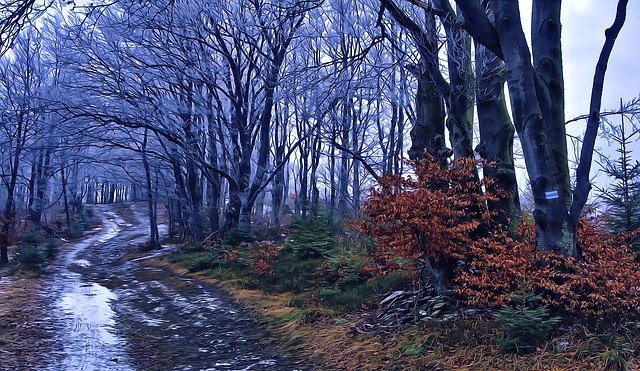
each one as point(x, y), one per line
point(110, 312)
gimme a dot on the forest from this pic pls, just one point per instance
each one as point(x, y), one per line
point(314, 184)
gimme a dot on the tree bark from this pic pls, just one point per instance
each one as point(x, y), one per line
point(555, 229)
point(547, 60)
point(154, 237)
point(496, 135)
point(461, 95)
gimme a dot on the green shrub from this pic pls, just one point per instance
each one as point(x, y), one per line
point(237, 235)
point(30, 257)
point(267, 232)
point(363, 295)
point(33, 239)
point(46, 247)
point(199, 261)
point(51, 247)
point(312, 237)
point(525, 325)
point(289, 273)
point(75, 231)
point(345, 264)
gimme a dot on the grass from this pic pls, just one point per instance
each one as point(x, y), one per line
point(363, 295)
point(314, 302)
point(320, 324)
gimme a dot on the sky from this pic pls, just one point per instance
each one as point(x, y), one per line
point(583, 26)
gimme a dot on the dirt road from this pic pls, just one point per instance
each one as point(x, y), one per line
point(110, 312)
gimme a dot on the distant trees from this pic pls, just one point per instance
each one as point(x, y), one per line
point(235, 112)
point(22, 79)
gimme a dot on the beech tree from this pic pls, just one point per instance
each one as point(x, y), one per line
point(536, 87)
point(536, 92)
point(21, 79)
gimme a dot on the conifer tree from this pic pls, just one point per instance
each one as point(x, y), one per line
point(622, 197)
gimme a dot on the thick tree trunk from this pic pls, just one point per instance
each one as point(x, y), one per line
point(547, 60)
point(555, 230)
point(496, 135)
point(428, 130)
point(461, 97)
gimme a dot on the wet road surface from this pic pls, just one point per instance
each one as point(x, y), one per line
point(110, 313)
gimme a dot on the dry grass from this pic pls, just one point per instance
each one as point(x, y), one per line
point(465, 343)
point(24, 338)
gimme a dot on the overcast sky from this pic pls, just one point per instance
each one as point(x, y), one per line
point(583, 26)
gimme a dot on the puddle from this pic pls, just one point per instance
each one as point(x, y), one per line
point(82, 263)
point(83, 314)
point(89, 306)
point(111, 314)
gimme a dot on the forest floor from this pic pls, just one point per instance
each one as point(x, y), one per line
point(104, 304)
point(352, 340)
point(97, 307)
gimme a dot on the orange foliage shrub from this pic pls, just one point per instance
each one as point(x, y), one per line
point(432, 214)
point(439, 213)
point(496, 266)
point(264, 253)
point(605, 281)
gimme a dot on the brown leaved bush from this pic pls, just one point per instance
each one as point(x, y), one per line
point(431, 214)
point(440, 213)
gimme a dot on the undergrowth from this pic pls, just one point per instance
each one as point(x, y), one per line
point(531, 310)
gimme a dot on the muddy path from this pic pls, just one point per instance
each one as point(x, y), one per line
point(110, 312)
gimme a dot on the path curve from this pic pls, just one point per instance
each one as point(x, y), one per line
point(111, 313)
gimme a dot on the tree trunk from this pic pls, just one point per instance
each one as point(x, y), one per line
point(547, 60)
point(461, 97)
point(65, 198)
point(583, 183)
point(313, 177)
point(343, 175)
point(555, 230)
point(277, 192)
point(496, 135)
point(428, 130)
point(154, 236)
